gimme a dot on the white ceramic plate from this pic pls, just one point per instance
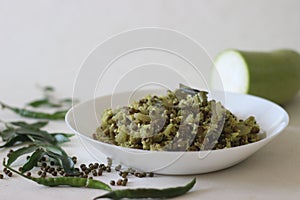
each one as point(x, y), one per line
point(83, 119)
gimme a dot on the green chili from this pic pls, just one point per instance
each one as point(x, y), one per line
point(33, 114)
point(68, 181)
point(149, 193)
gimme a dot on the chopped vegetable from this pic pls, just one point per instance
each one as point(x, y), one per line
point(183, 120)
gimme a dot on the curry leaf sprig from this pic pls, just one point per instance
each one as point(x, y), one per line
point(21, 132)
point(40, 150)
point(49, 100)
point(40, 143)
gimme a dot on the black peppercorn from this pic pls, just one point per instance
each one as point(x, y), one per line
point(112, 182)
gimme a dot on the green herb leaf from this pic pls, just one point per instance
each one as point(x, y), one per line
point(48, 89)
point(67, 100)
point(16, 154)
point(12, 141)
point(7, 133)
point(61, 157)
point(36, 125)
point(38, 103)
point(59, 115)
point(36, 134)
point(54, 149)
point(49, 101)
point(33, 160)
point(44, 103)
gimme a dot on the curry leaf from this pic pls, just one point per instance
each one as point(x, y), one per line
point(36, 125)
point(33, 160)
point(16, 140)
point(16, 154)
point(37, 134)
point(61, 157)
point(7, 133)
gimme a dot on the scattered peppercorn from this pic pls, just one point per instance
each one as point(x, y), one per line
point(83, 167)
point(131, 171)
point(44, 164)
point(125, 180)
point(119, 182)
point(87, 171)
point(112, 182)
point(9, 174)
point(91, 166)
point(1, 176)
point(124, 175)
point(28, 174)
point(54, 173)
point(96, 165)
point(108, 169)
point(9, 153)
point(51, 169)
point(102, 166)
point(74, 159)
point(140, 175)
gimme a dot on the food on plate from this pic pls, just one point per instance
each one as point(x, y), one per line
point(181, 120)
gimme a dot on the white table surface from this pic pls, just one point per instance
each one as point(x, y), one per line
point(44, 42)
point(271, 173)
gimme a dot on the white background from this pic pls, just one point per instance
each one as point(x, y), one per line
point(44, 42)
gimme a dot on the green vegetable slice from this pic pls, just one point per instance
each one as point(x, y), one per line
point(273, 75)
